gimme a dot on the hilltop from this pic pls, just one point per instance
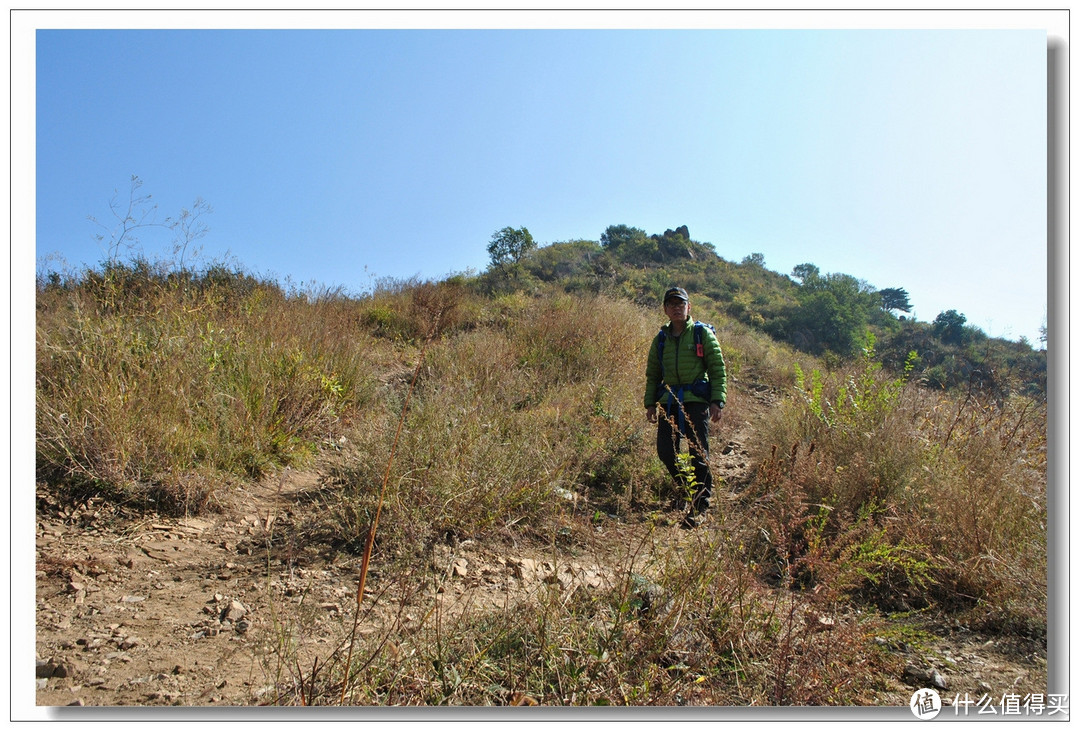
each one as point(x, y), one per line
point(822, 314)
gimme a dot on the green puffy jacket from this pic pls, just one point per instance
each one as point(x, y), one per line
point(682, 366)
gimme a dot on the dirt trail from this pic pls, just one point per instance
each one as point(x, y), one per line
point(151, 612)
point(188, 612)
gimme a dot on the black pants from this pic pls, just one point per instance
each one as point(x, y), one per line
point(695, 429)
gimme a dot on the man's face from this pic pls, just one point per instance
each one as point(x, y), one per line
point(677, 310)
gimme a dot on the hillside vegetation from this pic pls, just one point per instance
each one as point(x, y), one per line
point(890, 477)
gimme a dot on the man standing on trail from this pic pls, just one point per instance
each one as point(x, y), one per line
point(687, 378)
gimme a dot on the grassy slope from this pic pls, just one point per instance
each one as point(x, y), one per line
point(870, 492)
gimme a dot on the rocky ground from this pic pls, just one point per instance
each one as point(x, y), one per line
point(143, 611)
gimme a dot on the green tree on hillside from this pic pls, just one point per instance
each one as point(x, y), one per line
point(832, 314)
point(615, 237)
point(508, 245)
point(631, 245)
point(805, 272)
point(756, 259)
point(949, 327)
point(895, 298)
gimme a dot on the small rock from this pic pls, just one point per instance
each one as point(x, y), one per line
point(820, 622)
point(648, 596)
point(132, 599)
point(460, 567)
point(984, 687)
point(565, 494)
point(233, 611)
point(916, 673)
point(926, 676)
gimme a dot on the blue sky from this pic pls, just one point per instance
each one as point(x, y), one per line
point(907, 158)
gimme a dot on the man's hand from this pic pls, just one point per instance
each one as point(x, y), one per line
point(715, 413)
point(650, 414)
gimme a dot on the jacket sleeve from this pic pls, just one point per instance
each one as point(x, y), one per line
point(652, 375)
point(715, 366)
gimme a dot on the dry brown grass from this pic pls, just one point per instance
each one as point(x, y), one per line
point(942, 500)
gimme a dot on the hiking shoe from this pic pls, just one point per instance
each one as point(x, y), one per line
point(693, 520)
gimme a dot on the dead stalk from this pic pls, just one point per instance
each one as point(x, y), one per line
point(378, 510)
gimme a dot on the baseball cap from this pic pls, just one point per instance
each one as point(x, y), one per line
point(676, 293)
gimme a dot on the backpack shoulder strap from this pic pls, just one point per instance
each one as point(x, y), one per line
point(699, 328)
